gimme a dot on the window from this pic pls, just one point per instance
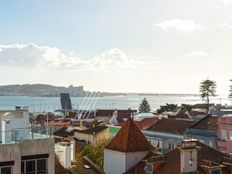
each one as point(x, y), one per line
point(5, 170)
point(34, 166)
point(148, 168)
point(217, 171)
point(230, 135)
point(224, 137)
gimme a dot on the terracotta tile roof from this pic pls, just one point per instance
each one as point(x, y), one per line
point(88, 123)
point(171, 125)
point(59, 122)
point(59, 169)
point(62, 132)
point(207, 156)
point(129, 139)
point(93, 130)
point(143, 124)
point(121, 114)
point(81, 162)
point(207, 123)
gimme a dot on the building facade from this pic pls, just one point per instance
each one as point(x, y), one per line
point(225, 134)
point(29, 156)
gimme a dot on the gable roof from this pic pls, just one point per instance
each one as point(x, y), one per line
point(207, 123)
point(129, 139)
point(171, 125)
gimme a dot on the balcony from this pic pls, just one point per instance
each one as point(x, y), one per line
point(30, 133)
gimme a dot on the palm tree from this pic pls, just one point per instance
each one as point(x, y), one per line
point(207, 89)
point(230, 95)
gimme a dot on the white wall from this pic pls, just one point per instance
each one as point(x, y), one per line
point(114, 162)
point(133, 158)
point(64, 154)
point(119, 162)
point(14, 152)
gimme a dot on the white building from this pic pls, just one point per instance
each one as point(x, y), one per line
point(21, 151)
point(14, 122)
point(29, 156)
point(126, 149)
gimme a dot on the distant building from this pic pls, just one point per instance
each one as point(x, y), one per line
point(220, 110)
point(205, 130)
point(93, 135)
point(143, 123)
point(106, 114)
point(65, 100)
point(225, 134)
point(167, 133)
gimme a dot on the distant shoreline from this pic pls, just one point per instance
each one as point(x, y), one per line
point(45, 90)
point(105, 95)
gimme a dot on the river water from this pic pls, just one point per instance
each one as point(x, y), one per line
point(108, 102)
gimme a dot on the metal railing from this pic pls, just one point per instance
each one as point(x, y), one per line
point(19, 134)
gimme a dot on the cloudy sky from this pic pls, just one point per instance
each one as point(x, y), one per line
point(160, 46)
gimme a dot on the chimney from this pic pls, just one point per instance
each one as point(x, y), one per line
point(188, 156)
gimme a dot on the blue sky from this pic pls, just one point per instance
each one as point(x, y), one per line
point(163, 46)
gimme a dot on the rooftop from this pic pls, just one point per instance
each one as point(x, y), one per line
point(171, 125)
point(93, 130)
point(129, 139)
point(207, 123)
point(145, 123)
point(169, 163)
point(19, 134)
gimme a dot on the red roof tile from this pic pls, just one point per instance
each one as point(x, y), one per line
point(129, 139)
point(207, 123)
point(170, 125)
point(143, 124)
point(207, 156)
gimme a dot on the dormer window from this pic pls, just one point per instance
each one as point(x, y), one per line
point(148, 168)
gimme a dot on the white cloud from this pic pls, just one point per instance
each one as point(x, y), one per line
point(197, 53)
point(32, 55)
point(113, 57)
point(180, 25)
point(226, 2)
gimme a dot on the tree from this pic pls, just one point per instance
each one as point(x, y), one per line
point(230, 95)
point(95, 152)
point(144, 106)
point(167, 108)
point(186, 107)
point(207, 89)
